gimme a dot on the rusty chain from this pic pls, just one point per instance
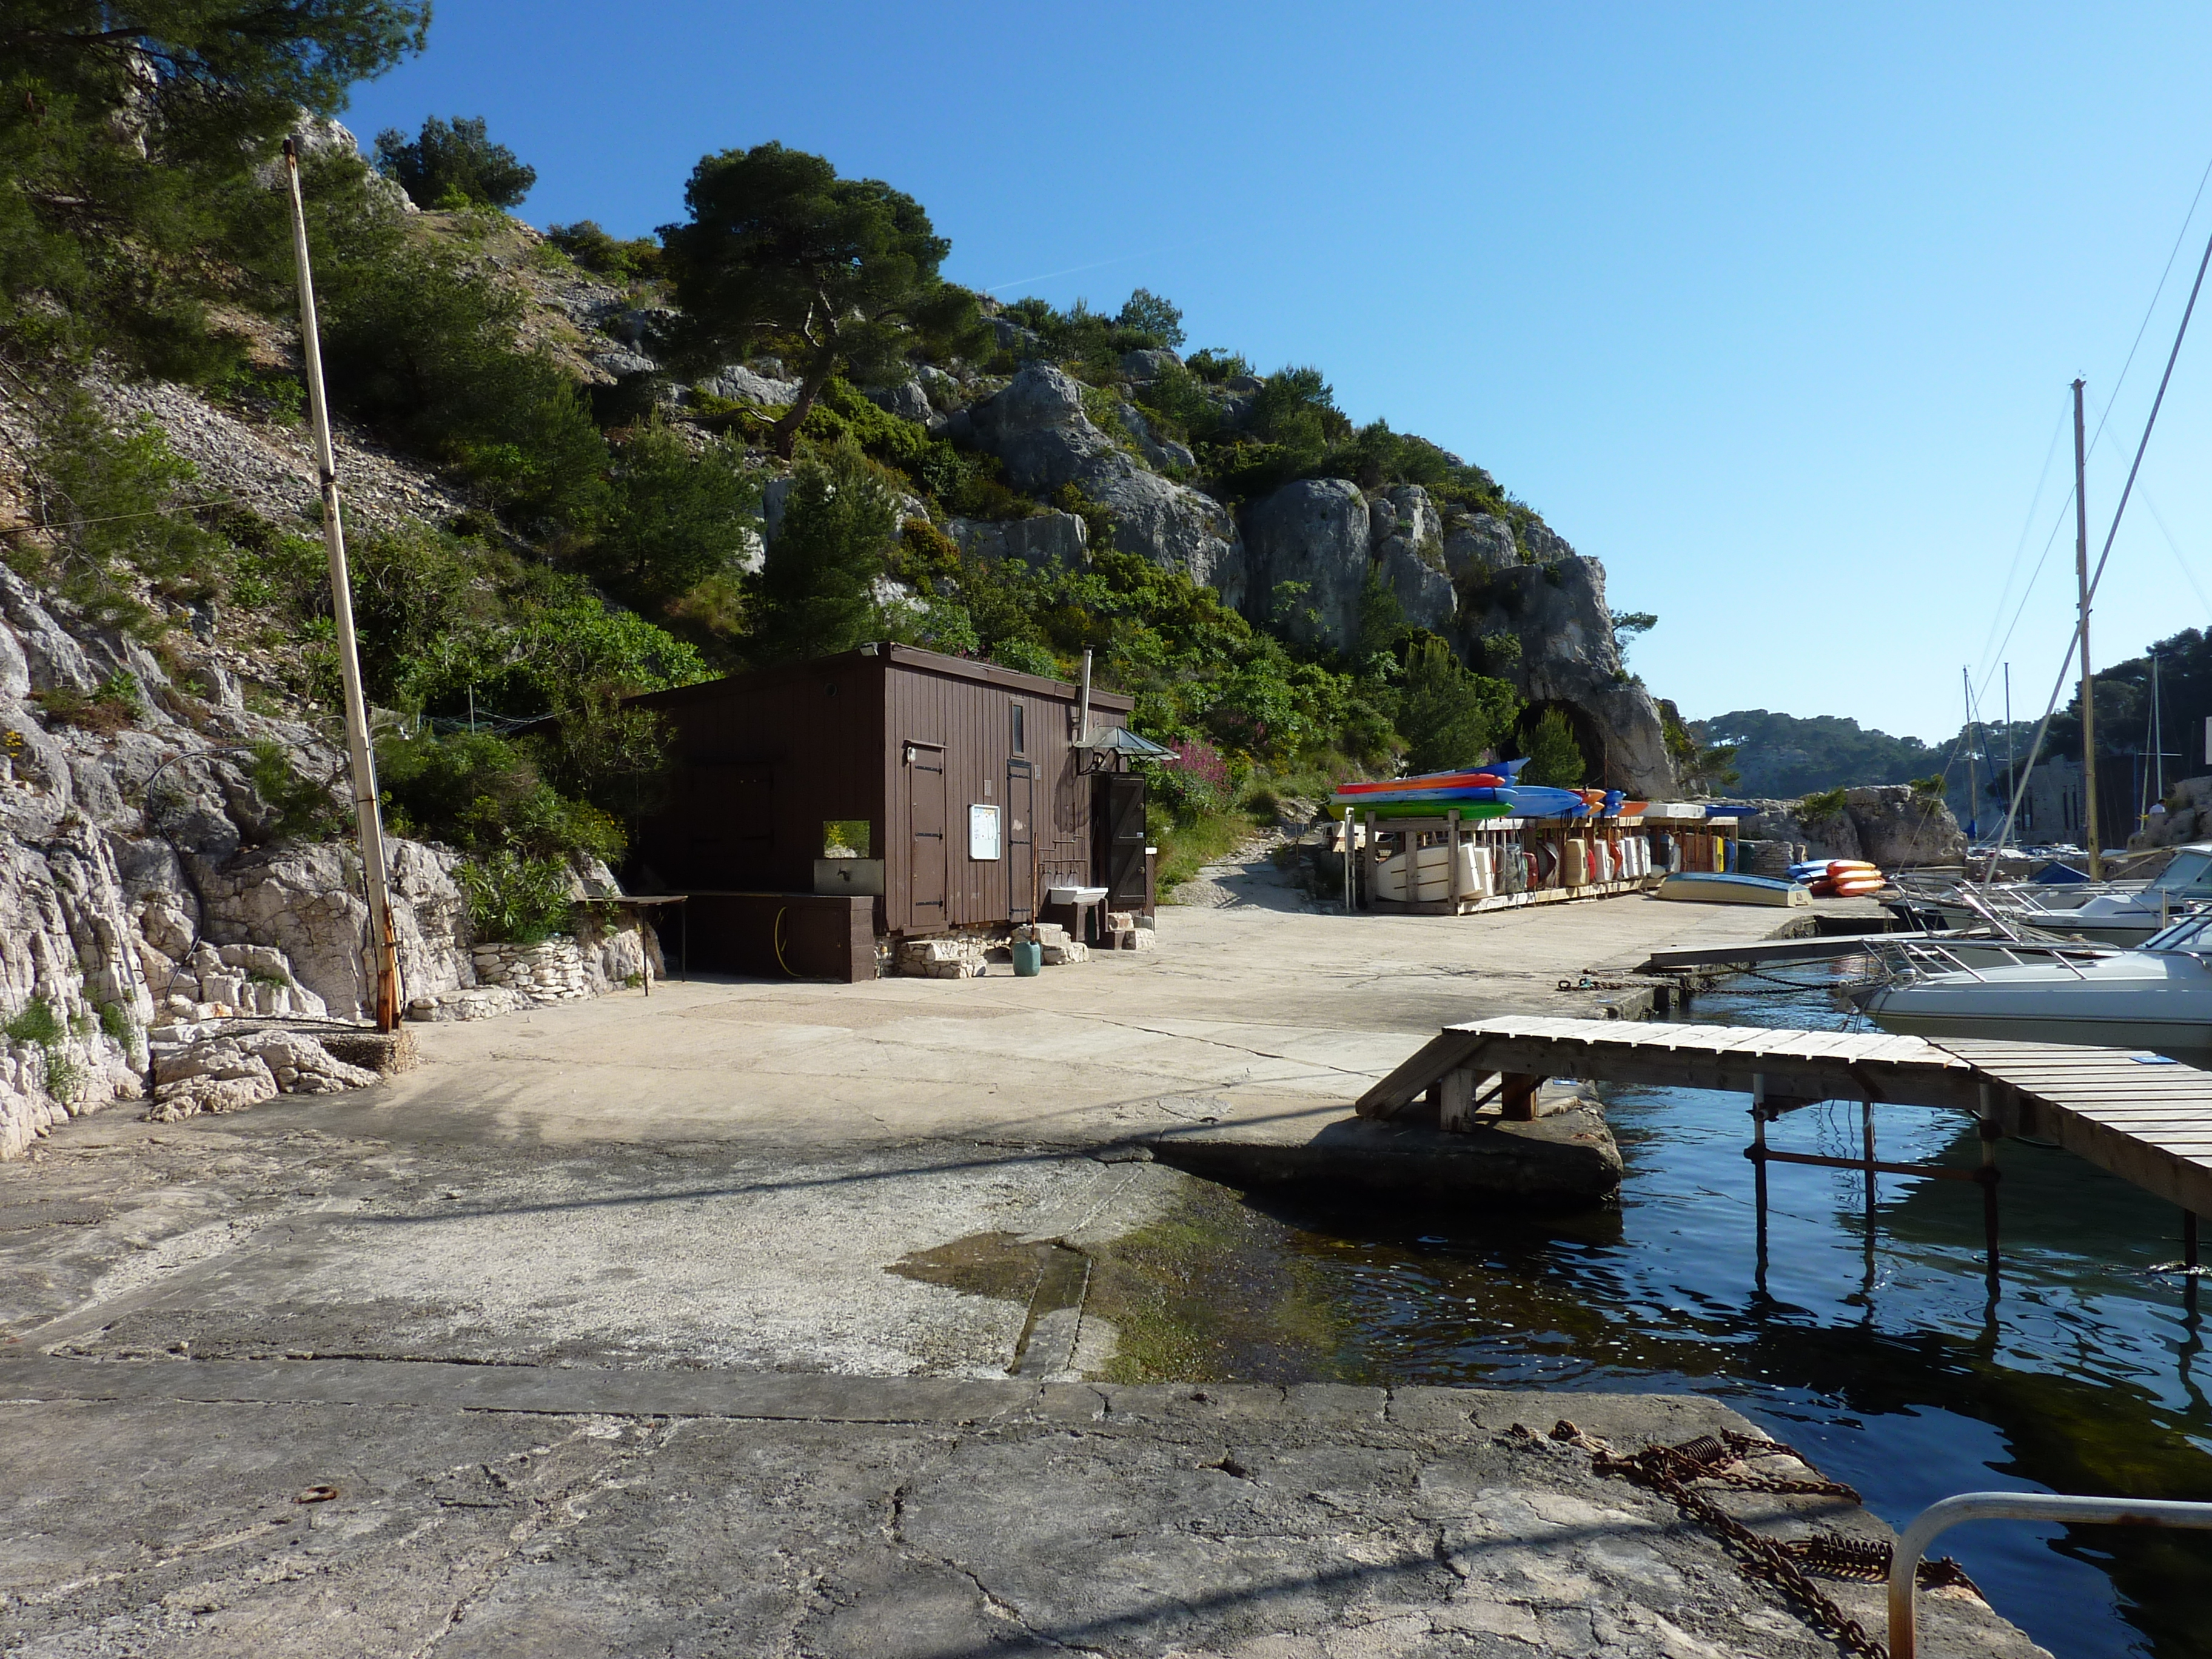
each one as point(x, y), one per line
point(1723, 1459)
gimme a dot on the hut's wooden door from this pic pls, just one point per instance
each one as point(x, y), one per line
point(1021, 841)
point(927, 858)
point(1117, 829)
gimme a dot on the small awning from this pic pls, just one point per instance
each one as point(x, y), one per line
point(1119, 740)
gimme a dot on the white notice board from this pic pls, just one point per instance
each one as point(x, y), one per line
point(982, 832)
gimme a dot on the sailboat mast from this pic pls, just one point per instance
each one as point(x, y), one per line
point(2088, 684)
point(1973, 801)
point(2012, 760)
point(2157, 737)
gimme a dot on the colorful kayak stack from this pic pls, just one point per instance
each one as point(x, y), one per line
point(1490, 793)
point(1839, 878)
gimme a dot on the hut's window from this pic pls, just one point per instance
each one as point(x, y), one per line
point(1017, 710)
point(843, 838)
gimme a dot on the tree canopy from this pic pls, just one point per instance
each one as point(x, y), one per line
point(129, 137)
point(778, 248)
point(453, 164)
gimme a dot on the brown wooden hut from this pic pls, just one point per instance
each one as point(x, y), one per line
point(961, 788)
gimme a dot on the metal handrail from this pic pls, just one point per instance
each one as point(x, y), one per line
point(1905, 1564)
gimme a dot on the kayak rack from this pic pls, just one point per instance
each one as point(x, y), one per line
point(1700, 835)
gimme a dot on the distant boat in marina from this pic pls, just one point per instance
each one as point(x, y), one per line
point(2119, 913)
point(1698, 887)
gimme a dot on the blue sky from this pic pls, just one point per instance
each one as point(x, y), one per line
point(1772, 309)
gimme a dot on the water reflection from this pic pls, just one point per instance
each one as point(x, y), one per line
point(1872, 1340)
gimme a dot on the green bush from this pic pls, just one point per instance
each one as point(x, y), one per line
point(1821, 806)
point(454, 164)
point(637, 259)
point(515, 899)
point(676, 516)
point(36, 1023)
point(425, 349)
point(305, 810)
point(486, 793)
point(113, 508)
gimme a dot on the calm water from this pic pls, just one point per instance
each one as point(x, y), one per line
point(1881, 1354)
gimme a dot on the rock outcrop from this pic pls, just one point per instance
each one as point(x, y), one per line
point(1889, 824)
point(1307, 549)
point(1039, 429)
point(1556, 614)
point(1040, 540)
point(2187, 817)
point(1408, 548)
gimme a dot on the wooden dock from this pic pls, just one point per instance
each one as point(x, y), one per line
point(2146, 1120)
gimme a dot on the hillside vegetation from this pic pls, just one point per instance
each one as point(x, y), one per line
point(773, 430)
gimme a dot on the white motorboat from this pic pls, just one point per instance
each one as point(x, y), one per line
point(2158, 998)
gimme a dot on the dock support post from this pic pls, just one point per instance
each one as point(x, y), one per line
point(1986, 1123)
point(1451, 851)
point(1456, 1091)
point(1866, 1129)
point(2188, 1238)
point(1517, 1097)
point(1758, 1156)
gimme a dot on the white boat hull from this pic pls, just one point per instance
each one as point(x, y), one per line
point(2157, 1000)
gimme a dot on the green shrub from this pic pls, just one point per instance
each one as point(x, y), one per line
point(676, 516)
point(1215, 365)
point(454, 164)
point(112, 507)
point(1821, 806)
point(425, 349)
point(37, 1023)
point(485, 793)
point(115, 1020)
point(515, 899)
point(304, 809)
point(114, 705)
point(637, 259)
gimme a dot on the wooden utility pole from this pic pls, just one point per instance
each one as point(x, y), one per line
point(383, 947)
point(2088, 684)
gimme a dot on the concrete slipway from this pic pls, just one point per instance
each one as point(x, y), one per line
point(588, 1322)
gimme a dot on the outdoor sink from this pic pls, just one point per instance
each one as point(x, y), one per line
point(1073, 894)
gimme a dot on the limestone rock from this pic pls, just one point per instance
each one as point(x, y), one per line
point(1143, 365)
point(229, 1073)
point(744, 385)
point(1160, 452)
point(1899, 829)
point(1405, 538)
point(1569, 655)
point(307, 901)
point(1307, 549)
point(1039, 540)
point(1038, 428)
point(909, 402)
point(1479, 544)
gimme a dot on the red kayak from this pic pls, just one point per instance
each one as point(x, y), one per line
point(1433, 781)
